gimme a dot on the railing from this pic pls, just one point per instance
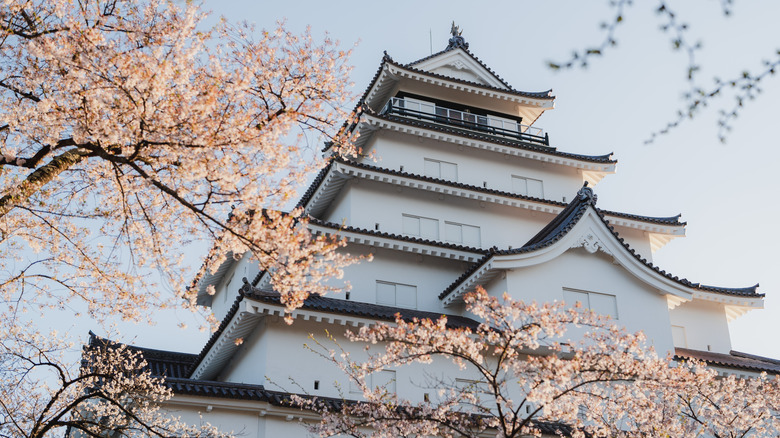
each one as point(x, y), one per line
point(472, 122)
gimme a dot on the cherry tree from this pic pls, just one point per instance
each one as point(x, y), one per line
point(130, 129)
point(515, 376)
point(113, 393)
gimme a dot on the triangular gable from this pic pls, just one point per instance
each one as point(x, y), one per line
point(458, 63)
point(581, 225)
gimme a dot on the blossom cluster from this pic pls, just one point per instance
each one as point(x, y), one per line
point(517, 374)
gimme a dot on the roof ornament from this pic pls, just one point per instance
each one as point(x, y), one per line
point(246, 287)
point(457, 40)
point(586, 194)
point(387, 57)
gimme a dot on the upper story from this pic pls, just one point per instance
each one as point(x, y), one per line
point(453, 195)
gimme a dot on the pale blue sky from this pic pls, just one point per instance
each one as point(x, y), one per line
point(726, 193)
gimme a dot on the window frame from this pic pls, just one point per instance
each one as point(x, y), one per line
point(395, 292)
point(588, 306)
point(461, 242)
point(527, 192)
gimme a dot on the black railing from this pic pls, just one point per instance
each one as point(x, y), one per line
point(463, 120)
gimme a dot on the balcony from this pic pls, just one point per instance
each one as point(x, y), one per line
point(485, 125)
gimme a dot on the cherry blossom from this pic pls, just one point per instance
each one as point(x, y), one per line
point(518, 374)
point(130, 129)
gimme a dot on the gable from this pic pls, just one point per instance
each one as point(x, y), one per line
point(594, 280)
point(458, 64)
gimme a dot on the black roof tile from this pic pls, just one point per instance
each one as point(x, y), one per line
point(468, 52)
point(360, 309)
point(396, 236)
point(734, 359)
point(547, 95)
point(160, 363)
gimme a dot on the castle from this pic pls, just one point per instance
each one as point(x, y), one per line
point(467, 191)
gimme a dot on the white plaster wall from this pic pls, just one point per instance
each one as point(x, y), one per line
point(475, 166)
point(375, 202)
point(640, 307)
point(241, 423)
point(637, 240)
point(248, 363)
point(340, 209)
point(431, 275)
point(227, 290)
point(293, 368)
point(705, 323)
point(363, 204)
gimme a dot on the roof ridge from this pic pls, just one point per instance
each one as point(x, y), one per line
point(733, 359)
point(468, 52)
point(546, 95)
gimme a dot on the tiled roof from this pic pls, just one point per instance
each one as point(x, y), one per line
point(565, 221)
point(562, 224)
point(606, 158)
point(551, 233)
point(214, 336)
point(396, 236)
point(360, 309)
point(734, 359)
point(468, 52)
point(161, 363)
point(242, 391)
point(547, 95)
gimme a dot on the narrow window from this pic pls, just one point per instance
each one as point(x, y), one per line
point(384, 379)
point(463, 234)
point(441, 169)
point(419, 226)
point(377, 379)
point(603, 304)
point(678, 336)
point(527, 186)
point(396, 294)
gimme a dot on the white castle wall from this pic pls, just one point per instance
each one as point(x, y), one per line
point(639, 306)
point(474, 166)
point(704, 326)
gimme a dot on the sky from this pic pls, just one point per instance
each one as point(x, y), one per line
point(724, 191)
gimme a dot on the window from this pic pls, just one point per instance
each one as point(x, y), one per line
point(418, 226)
point(468, 235)
point(441, 169)
point(377, 379)
point(473, 386)
point(396, 294)
point(603, 304)
point(678, 336)
point(527, 186)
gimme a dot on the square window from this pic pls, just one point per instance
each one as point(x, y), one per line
point(463, 234)
point(603, 304)
point(441, 169)
point(527, 186)
point(396, 294)
point(418, 226)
